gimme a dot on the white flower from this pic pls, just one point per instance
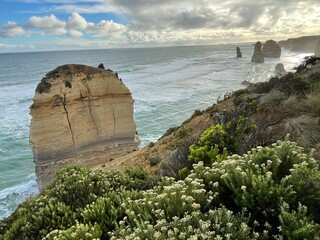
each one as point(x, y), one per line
point(243, 188)
point(157, 235)
point(189, 199)
point(195, 205)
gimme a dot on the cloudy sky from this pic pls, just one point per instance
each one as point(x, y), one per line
point(29, 25)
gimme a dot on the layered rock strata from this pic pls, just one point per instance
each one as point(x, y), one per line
point(271, 49)
point(257, 56)
point(80, 115)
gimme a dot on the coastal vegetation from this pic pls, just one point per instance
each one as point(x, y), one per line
point(243, 177)
point(268, 193)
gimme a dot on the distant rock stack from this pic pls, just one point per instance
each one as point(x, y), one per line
point(80, 115)
point(271, 49)
point(279, 68)
point(239, 54)
point(257, 56)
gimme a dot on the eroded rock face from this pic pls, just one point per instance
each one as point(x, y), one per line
point(257, 56)
point(271, 49)
point(80, 115)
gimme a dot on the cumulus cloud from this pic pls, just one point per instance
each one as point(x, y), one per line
point(48, 24)
point(76, 21)
point(75, 26)
point(12, 29)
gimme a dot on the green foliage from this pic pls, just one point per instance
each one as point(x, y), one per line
point(262, 179)
point(220, 140)
point(78, 186)
point(220, 223)
point(296, 224)
point(212, 142)
point(64, 201)
point(78, 231)
point(40, 217)
point(268, 193)
point(107, 211)
point(288, 84)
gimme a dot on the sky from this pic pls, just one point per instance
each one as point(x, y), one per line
point(41, 25)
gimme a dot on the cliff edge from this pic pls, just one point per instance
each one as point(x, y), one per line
point(80, 115)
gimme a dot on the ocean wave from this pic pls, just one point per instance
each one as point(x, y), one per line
point(11, 197)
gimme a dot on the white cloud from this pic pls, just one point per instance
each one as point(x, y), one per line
point(12, 29)
point(76, 21)
point(48, 24)
point(75, 26)
point(105, 28)
point(75, 33)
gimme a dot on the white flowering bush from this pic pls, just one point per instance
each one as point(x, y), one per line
point(108, 210)
point(79, 186)
point(250, 190)
point(268, 193)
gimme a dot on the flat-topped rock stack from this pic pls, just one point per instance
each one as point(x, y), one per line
point(271, 49)
point(80, 115)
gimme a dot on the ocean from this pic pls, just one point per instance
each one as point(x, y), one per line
point(168, 84)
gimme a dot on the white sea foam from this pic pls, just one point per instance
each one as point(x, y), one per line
point(11, 197)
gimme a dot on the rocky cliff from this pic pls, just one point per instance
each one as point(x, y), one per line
point(257, 56)
point(271, 49)
point(303, 44)
point(80, 115)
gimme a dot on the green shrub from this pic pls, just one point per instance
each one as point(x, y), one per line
point(296, 224)
point(269, 193)
point(107, 211)
point(214, 141)
point(219, 223)
point(42, 216)
point(78, 231)
point(288, 84)
point(78, 186)
point(262, 179)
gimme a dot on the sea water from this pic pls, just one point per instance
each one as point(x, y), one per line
point(168, 84)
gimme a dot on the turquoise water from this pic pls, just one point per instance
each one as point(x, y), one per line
point(168, 84)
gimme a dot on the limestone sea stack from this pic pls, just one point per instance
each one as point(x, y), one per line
point(280, 70)
point(239, 54)
point(257, 56)
point(80, 115)
point(271, 49)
